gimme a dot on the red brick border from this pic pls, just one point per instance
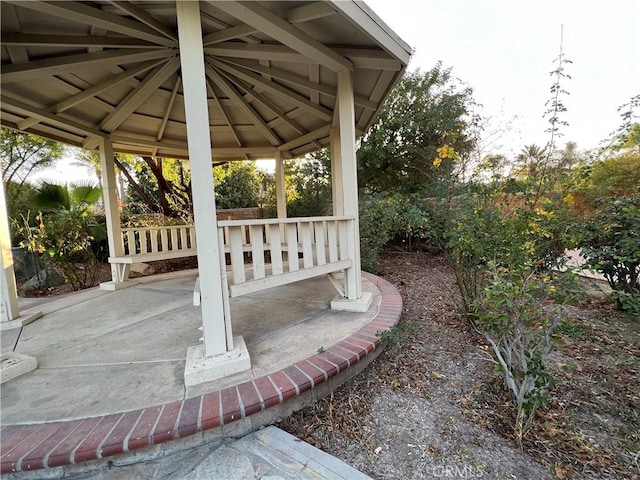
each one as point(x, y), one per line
point(47, 445)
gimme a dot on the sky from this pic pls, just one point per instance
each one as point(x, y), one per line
point(504, 50)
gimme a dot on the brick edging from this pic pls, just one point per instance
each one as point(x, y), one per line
point(47, 445)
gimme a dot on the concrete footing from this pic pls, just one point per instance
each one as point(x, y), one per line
point(199, 369)
point(13, 365)
point(358, 305)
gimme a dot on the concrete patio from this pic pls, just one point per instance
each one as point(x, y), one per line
point(110, 377)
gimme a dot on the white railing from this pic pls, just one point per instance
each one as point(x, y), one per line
point(272, 252)
point(166, 241)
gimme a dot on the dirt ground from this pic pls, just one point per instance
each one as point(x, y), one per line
point(432, 407)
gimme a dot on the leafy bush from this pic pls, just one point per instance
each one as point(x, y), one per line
point(384, 218)
point(611, 245)
point(66, 231)
point(517, 315)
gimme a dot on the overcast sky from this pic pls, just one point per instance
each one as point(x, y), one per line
point(504, 49)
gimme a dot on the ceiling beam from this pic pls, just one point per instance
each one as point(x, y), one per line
point(313, 11)
point(269, 105)
point(243, 105)
point(276, 89)
point(143, 16)
point(284, 32)
point(83, 13)
point(167, 112)
point(228, 34)
point(297, 15)
point(91, 92)
point(370, 59)
point(36, 40)
point(223, 111)
point(300, 81)
point(52, 66)
point(256, 51)
point(308, 138)
point(48, 118)
point(139, 95)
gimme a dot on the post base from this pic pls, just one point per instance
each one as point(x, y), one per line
point(112, 286)
point(14, 364)
point(358, 305)
point(200, 369)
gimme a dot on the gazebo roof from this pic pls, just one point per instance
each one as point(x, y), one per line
point(77, 71)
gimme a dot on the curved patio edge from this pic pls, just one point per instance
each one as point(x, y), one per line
point(232, 411)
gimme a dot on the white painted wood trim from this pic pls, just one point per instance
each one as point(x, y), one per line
point(286, 278)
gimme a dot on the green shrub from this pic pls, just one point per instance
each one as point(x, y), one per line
point(611, 245)
point(384, 218)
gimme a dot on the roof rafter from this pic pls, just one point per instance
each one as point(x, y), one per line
point(281, 30)
point(243, 105)
point(269, 105)
point(137, 97)
point(49, 118)
point(276, 89)
point(309, 137)
point(259, 51)
point(52, 66)
point(306, 13)
point(300, 81)
point(35, 40)
point(223, 111)
point(83, 13)
point(167, 112)
point(91, 92)
point(145, 17)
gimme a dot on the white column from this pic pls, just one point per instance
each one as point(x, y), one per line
point(337, 184)
point(110, 198)
point(9, 299)
point(349, 179)
point(281, 189)
point(217, 334)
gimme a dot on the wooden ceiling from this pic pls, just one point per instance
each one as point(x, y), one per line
point(78, 71)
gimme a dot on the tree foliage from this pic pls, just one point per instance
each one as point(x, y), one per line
point(23, 154)
point(237, 185)
point(423, 112)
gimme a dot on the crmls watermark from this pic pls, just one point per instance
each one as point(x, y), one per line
point(456, 471)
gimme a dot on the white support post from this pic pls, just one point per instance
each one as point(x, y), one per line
point(281, 190)
point(119, 272)
point(337, 184)
point(349, 180)
point(10, 309)
point(204, 206)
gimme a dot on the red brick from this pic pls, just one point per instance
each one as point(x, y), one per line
point(359, 351)
point(166, 426)
point(284, 384)
point(249, 398)
point(17, 439)
point(328, 368)
point(8, 431)
point(362, 344)
point(14, 456)
point(337, 359)
point(37, 458)
point(268, 392)
point(366, 337)
point(348, 354)
point(211, 411)
point(117, 440)
point(61, 455)
point(230, 405)
point(189, 417)
point(141, 435)
point(302, 382)
point(317, 375)
point(88, 449)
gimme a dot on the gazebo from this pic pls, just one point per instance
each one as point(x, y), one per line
point(209, 81)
